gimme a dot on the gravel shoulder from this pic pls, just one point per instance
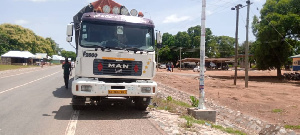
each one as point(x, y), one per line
point(247, 109)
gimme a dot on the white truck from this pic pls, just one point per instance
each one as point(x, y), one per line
point(115, 55)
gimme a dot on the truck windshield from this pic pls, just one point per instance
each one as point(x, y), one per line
point(116, 36)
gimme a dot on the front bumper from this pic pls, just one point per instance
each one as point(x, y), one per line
point(100, 88)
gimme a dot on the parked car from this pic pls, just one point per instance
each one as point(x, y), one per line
point(163, 66)
point(197, 69)
point(225, 67)
point(211, 65)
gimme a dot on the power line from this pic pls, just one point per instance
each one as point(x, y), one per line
point(274, 28)
point(199, 18)
point(243, 19)
point(219, 10)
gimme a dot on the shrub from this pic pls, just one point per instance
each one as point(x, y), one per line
point(194, 101)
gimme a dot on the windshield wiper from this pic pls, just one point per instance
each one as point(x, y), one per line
point(151, 50)
point(133, 49)
point(115, 48)
point(96, 47)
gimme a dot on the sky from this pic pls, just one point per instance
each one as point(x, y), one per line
point(49, 18)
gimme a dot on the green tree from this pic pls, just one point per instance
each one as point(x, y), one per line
point(182, 39)
point(15, 37)
point(277, 33)
point(225, 46)
point(212, 48)
point(69, 54)
point(189, 41)
point(168, 39)
point(54, 46)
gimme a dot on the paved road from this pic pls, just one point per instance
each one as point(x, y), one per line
point(34, 101)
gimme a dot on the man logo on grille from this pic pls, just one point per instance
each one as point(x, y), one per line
point(123, 66)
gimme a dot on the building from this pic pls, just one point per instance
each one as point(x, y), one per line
point(40, 57)
point(219, 62)
point(296, 62)
point(17, 58)
point(57, 59)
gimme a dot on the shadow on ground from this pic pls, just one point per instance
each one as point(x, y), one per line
point(62, 92)
point(103, 111)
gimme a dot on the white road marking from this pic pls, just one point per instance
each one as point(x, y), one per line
point(24, 73)
point(15, 74)
point(72, 123)
point(28, 83)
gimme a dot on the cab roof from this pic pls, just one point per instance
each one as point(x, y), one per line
point(119, 19)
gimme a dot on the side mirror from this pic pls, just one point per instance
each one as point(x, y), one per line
point(69, 39)
point(70, 30)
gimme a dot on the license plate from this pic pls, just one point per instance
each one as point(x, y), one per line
point(117, 91)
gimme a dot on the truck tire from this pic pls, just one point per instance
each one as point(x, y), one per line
point(78, 103)
point(140, 104)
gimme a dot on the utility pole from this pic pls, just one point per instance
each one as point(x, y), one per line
point(157, 59)
point(247, 47)
point(201, 112)
point(201, 104)
point(237, 8)
point(180, 57)
point(156, 52)
point(158, 44)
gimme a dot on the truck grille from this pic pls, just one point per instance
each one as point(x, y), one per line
point(117, 68)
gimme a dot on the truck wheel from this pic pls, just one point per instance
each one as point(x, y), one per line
point(78, 103)
point(140, 104)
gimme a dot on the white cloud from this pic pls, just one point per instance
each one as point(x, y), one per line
point(21, 22)
point(175, 19)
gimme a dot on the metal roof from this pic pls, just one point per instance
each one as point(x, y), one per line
point(18, 54)
point(295, 56)
point(41, 55)
point(56, 57)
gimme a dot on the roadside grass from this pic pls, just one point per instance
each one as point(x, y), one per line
point(277, 110)
point(191, 120)
point(175, 106)
point(292, 126)
point(170, 105)
point(10, 67)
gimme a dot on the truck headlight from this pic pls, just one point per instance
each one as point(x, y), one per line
point(86, 88)
point(124, 11)
point(146, 89)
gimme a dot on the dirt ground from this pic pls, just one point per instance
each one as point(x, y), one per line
point(267, 98)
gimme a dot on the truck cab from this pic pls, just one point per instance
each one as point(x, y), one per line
point(115, 59)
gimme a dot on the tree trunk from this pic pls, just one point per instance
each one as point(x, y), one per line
point(278, 72)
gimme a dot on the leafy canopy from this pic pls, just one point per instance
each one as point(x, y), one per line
point(189, 41)
point(15, 37)
point(277, 34)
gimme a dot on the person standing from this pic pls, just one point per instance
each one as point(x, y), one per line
point(67, 69)
point(72, 64)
